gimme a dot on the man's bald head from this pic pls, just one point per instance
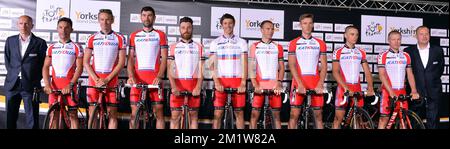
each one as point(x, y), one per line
point(25, 24)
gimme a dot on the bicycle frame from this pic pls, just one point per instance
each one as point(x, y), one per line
point(142, 100)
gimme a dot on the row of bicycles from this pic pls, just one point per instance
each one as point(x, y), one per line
point(61, 116)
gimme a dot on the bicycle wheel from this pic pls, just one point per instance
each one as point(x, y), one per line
point(361, 120)
point(54, 110)
point(269, 121)
point(415, 122)
point(228, 119)
point(98, 119)
point(142, 120)
point(184, 122)
point(307, 120)
point(83, 119)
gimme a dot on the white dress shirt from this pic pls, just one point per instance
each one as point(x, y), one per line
point(23, 47)
point(424, 54)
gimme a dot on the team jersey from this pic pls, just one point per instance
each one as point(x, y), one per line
point(147, 47)
point(228, 51)
point(264, 62)
point(105, 50)
point(350, 60)
point(395, 64)
point(187, 59)
point(307, 52)
point(63, 56)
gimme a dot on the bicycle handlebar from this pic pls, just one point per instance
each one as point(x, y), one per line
point(149, 86)
point(313, 92)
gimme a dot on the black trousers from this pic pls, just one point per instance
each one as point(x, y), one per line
point(13, 100)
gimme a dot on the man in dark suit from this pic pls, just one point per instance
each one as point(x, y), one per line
point(428, 65)
point(24, 58)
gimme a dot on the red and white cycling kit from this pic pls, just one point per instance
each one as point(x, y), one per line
point(307, 53)
point(63, 60)
point(186, 59)
point(266, 57)
point(229, 67)
point(105, 53)
point(350, 60)
point(395, 64)
point(147, 46)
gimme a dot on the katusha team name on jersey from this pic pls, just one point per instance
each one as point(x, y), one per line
point(105, 50)
point(395, 64)
point(147, 46)
point(307, 52)
point(350, 60)
point(63, 57)
point(186, 57)
point(229, 53)
point(266, 57)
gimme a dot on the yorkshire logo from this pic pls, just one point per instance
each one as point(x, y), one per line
point(373, 29)
point(256, 25)
point(53, 13)
point(405, 31)
point(83, 17)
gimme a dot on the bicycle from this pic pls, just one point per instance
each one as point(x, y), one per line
point(100, 116)
point(267, 121)
point(402, 118)
point(228, 118)
point(185, 120)
point(144, 118)
point(357, 117)
point(307, 119)
point(60, 109)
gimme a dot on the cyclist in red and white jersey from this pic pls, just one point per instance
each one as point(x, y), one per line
point(304, 54)
point(66, 59)
point(394, 66)
point(107, 48)
point(147, 63)
point(229, 55)
point(185, 64)
point(266, 72)
point(347, 63)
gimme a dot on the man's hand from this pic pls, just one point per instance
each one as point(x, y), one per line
point(392, 94)
point(47, 89)
point(101, 82)
point(278, 89)
point(370, 92)
point(415, 95)
point(196, 91)
point(218, 86)
point(258, 89)
point(175, 91)
point(66, 90)
point(156, 81)
point(301, 90)
point(241, 88)
point(319, 88)
point(131, 80)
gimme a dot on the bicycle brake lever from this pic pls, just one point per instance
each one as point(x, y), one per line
point(375, 101)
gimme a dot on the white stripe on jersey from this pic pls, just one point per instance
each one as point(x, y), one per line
point(63, 56)
point(228, 52)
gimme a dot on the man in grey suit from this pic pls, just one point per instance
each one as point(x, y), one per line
point(427, 62)
point(24, 58)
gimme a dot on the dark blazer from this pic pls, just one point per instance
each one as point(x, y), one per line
point(428, 80)
point(30, 65)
